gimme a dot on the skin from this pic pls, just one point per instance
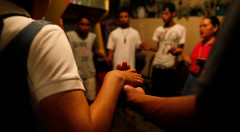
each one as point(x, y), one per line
point(167, 18)
point(124, 19)
point(207, 31)
point(84, 26)
point(69, 111)
point(167, 111)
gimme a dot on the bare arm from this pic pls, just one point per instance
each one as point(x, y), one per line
point(96, 51)
point(162, 110)
point(155, 48)
point(110, 55)
point(184, 55)
point(69, 111)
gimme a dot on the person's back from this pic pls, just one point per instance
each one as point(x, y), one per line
point(52, 77)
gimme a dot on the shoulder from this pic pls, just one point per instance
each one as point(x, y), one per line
point(92, 34)
point(181, 27)
point(133, 30)
point(71, 32)
point(159, 28)
point(116, 30)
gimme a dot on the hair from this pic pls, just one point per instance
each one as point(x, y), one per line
point(125, 9)
point(215, 22)
point(169, 6)
point(26, 4)
point(81, 16)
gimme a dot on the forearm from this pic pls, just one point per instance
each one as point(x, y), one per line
point(104, 105)
point(110, 54)
point(186, 57)
point(162, 110)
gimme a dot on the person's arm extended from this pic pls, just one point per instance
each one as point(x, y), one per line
point(110, 55)
point(184, 55)
point(70, 112)
point(155, 48)
point(163, 110)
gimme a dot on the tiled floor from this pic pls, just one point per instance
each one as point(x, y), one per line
point(124, 123)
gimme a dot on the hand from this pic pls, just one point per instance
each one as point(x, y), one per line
point(200, 61)
point(131, 92)
point(144, 46)
point(175, 51)
point(128, 89)
point(108, 60)
point(154, 49)
point(130, 77)
point(123, 67)
point(133, 78)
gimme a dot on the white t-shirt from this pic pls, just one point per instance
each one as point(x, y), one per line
point(124, 42)
point(167, 38)
point(51, 65)
point(82, 50)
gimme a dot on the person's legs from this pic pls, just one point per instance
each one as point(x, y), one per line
point(188, 87)
point(90, 85)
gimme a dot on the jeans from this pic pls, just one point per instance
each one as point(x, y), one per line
point(188, 87)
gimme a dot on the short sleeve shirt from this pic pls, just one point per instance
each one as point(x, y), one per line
point(51, 65)
point(124, 42)
point(167, 38)
point(200, 51)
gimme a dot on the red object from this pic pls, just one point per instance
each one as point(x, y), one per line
point(200, 51)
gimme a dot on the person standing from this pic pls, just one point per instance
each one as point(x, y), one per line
point(209, 27)
point(168, 37)
point(123, 41)
point(83, 43)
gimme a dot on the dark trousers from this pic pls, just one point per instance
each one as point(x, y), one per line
point(163, 82)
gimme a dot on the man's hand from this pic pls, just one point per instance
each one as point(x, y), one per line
point(175, 51)
point(123, 67)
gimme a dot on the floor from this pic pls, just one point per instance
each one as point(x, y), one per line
point(124, 123)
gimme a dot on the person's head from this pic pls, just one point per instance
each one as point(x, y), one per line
point(36, 8)
point(124, 17)
point(209, 27)
point(168, 12)
point(84, 25)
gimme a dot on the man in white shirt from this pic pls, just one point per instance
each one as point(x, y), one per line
point(123, 41)
point(168, 37)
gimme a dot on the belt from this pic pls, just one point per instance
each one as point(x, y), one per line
point(162, 67)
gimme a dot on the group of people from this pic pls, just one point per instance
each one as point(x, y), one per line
point(44, 92)
point(125, 40)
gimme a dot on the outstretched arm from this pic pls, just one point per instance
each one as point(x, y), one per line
point(161, 110)
point(69, 111)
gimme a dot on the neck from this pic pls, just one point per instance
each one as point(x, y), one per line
point(208, 40)
point(82, 35)
point(124, 26)
point(169, 24)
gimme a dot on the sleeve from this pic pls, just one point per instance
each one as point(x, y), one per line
point(69, 35)
point(182, 36)
point(138, 40)
point(111, 43)
point(155, 35)
point(52, 68)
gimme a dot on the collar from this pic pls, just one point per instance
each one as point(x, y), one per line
point(208, 44)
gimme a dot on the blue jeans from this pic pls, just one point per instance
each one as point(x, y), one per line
point(188, 87)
